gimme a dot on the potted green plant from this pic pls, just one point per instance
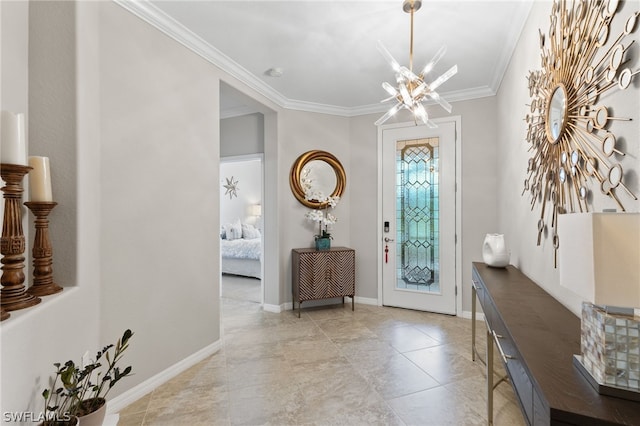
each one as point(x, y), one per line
point(83, 389)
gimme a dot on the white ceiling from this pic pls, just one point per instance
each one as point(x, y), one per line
point(327, 48)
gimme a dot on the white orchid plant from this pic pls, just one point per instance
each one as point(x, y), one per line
point(319, 215)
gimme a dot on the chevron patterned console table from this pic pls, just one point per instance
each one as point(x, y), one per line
point(323, 274)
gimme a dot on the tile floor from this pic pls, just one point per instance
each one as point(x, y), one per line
point(374, 366)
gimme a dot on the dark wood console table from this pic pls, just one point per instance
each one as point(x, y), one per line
point(536, 337)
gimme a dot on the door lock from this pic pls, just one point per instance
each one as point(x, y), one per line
point(388, 240)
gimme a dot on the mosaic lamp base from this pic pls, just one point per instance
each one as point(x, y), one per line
point(610, 345)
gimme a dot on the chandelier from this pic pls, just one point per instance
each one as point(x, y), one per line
point(412, 89)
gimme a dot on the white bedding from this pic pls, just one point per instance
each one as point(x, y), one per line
point(241, 248)
point(242, 257)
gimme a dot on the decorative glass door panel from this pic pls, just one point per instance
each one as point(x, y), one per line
point(417, 215)
point(418, 248)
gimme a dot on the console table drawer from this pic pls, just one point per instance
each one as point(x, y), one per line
point(512, 361)
point(480, 290)
point(523, 387)
point(540, 411)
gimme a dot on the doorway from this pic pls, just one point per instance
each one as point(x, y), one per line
point(241, 231)
point(418, 267)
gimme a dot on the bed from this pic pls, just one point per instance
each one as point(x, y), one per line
point(241, 252)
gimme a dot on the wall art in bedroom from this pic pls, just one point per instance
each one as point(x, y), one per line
point(231, 187)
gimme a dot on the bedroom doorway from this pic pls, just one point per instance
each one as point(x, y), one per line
point(241, 230)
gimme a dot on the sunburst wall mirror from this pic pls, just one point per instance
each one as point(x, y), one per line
point(574, 152)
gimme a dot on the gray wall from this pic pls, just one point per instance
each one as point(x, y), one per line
point(132, 130)
point(53, 120)
point(242, 135)
point(159, 187)
point(300, 132)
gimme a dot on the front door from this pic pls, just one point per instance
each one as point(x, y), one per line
point(418, 205)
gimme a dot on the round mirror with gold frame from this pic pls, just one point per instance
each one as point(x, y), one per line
point(317, 172)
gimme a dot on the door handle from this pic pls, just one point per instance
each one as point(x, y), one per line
point(387, 239)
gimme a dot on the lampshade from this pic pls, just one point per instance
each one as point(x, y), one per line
point(256, 210)
point(599, 257)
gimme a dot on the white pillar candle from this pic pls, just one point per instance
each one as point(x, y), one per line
point(40, 179)
point(13, 148)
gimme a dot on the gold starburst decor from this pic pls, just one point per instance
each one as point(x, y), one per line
point(573, 148)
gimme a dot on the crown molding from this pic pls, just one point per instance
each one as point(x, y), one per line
point(149, 13)
point(510, 42)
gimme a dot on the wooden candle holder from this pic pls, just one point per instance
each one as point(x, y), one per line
point(13, 295)
point(3, 315)
point(42, 251)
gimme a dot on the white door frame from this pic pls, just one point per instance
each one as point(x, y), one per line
point(458, 204)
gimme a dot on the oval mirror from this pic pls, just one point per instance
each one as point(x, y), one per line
point(583, 192)
point(562, 175)
point(631, 24)
point(575, 157)
point(317, 173)
point(616, 57)
point(602, 116)
point(625, 78)
point(609, 144)
point(556, 114)
point(615, 175)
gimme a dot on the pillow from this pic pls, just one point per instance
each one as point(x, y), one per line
point(233, 230)
point(249, 231)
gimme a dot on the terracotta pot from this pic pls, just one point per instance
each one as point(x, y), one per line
point(94, 418)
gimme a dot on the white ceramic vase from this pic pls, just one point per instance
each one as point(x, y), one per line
point(494, 251)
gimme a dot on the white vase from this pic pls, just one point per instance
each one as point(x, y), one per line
point(494, 251)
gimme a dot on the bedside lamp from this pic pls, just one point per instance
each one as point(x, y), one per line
point(600, 261)
point(256, 210)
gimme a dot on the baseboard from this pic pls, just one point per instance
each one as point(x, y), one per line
point(277, 308)
point(367, 300)
point(122, 401)
point(272, 308)
point(289, 305)
point(467, 315)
